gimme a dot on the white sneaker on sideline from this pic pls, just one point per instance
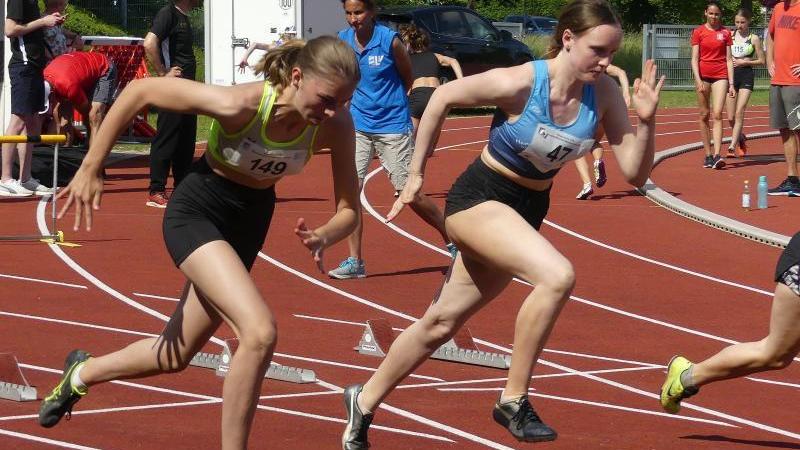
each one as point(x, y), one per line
point(37, 188)
point(13, 188)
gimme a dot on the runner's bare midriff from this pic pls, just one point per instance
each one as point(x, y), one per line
point(529, 183)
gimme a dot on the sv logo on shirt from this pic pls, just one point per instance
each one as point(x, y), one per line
point(375, 60)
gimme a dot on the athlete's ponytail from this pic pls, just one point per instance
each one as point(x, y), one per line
point(324, 56)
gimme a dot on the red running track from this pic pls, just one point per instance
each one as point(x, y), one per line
point(650, 284)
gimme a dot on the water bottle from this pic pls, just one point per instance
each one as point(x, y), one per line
point(746, 196)
point(762, 192)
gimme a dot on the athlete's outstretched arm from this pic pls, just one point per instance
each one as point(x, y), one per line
point(337, 135)
point(166, 93)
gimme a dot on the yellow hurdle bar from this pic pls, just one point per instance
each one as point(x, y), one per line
point(43, 138)
point(57, 139)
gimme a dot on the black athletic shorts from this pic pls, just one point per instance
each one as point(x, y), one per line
point(743, 78)
point(27, 89)
point(418, 100)
point(787, 271)
point(206, 207)
point(480, 184)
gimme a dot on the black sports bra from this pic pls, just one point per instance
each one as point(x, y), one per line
point(424, 64)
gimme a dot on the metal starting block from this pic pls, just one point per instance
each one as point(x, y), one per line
point(220, 363)
point(13, 385)
point(378, 336)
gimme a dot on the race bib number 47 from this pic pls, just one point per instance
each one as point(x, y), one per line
point(552, 148)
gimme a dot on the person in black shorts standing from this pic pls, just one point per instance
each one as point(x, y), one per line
point(23, 26)
point(168, 47)
point(424, 69)
point(747, 53)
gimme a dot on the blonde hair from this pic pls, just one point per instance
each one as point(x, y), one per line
point(416, 38)
point(324, 57)
point(580, 16)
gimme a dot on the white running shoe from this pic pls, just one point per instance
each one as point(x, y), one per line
point(585, 192)
point(37, 188)
point(13, 188)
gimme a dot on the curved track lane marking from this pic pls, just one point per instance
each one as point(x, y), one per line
point(39, 280)
point(41, 222)
point(30, 437)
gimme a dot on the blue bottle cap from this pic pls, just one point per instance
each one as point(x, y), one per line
point(762, 178)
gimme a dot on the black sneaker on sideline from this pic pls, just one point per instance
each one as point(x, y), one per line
point(708, 162)
point(717, 162)
point(355, 434)
point(522, 421)
point(785, 188)
point(64, 396)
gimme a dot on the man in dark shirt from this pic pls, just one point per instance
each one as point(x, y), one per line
point(24, 28)
point(168, 47)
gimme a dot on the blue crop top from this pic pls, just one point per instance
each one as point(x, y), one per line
point(533, 146)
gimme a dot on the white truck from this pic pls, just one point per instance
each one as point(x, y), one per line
point(230, 26)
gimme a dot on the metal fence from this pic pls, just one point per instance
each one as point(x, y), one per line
point(136, 16)
point(670, 46)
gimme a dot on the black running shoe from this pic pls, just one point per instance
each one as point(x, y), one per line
point(785, 188)
point(708, 162)
point(522, 421)
point(64, 396)
point(717, 162)
point(355, 435)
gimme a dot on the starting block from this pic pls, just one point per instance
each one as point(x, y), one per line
point(13, 385)
point(220, 363)
point(378, 336)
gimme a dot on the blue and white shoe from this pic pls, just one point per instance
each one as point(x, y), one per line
point(349, 268)
point(452, 249)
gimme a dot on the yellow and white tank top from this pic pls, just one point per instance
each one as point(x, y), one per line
point(742, 48)
point(251, 153)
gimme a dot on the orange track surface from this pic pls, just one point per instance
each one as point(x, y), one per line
point(682, 287)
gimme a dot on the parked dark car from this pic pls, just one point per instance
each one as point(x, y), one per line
point(537, 25)
point(463, 34)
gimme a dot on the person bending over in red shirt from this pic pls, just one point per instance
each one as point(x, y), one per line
point(88, 80)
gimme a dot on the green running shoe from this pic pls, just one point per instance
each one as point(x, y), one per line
point(64, 396)
point(673, 391)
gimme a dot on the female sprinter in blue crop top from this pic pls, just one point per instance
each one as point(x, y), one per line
point(217, 220)
point(549, 112)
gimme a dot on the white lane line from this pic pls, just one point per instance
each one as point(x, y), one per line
point(123, 409)
point(157, 297)
point(560, 352)
point(41, 440)
point(656, 262)
point(140, 333)
point(204, 399)
point(373, 427)
point(77, 324)
point(779, 383)
point(600, 404)
point(349, 366)
point(39, 280)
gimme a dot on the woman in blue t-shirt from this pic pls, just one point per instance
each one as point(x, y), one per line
point(381, 117)
point(548, 114)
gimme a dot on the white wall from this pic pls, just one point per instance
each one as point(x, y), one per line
point(260, 21)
